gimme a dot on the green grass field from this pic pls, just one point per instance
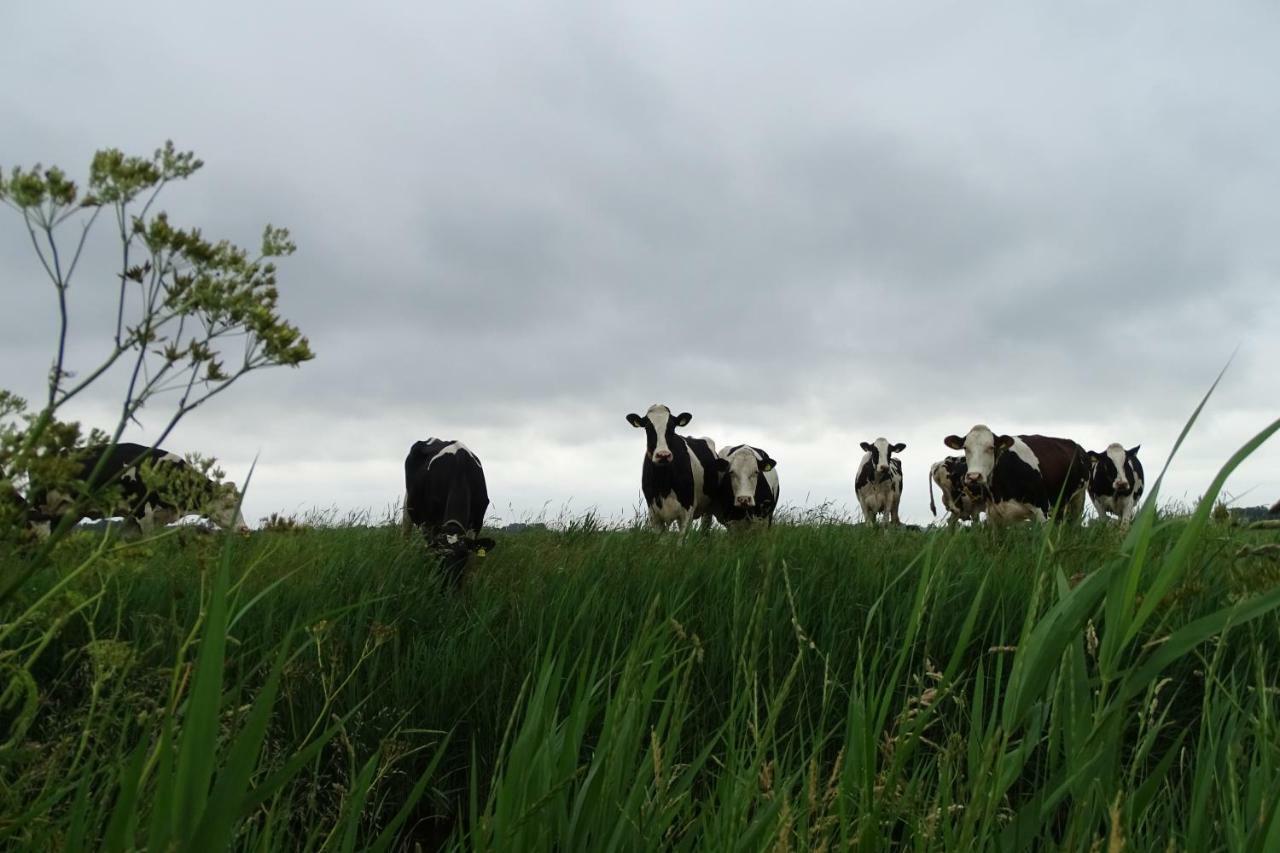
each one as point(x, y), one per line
point(806, 687)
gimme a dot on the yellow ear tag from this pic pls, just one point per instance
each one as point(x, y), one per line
point(479, 552)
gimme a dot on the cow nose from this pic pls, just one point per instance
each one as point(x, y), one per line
point(973, 477)
point(745, 500)
point(662, 457)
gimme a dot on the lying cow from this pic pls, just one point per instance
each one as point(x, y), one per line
point(878, 485)
point(147, 486)
point(748, 486)
point(1116, 482)
point(678, 477)
point(1014, 478)
point(948, 474)
point(445, 497)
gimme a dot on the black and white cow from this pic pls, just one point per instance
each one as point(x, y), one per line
point(948, 474)
point(878, 485)
point(1020, 477)
point(1116, 482)
point(748, 486)
point(445, 497)
point(679, 475)
point(150, 488)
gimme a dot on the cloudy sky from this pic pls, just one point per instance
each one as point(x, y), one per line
point(807, 226)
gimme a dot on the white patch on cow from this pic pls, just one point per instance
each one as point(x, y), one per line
point(701, 500)
point(666, 510)
point(659, 415)
point(744, 474)
point(1116, 454)
point(1011, 511)
point(172, 458)
point(1024, 453)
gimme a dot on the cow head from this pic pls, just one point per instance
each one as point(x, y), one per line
point(660, 428)
point(452, 542)
point(981, 448)
point(1113, 469)
point(224, 510)
point(880, 451)
point(744, 469)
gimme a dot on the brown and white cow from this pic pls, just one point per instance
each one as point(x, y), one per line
point(1019, 477)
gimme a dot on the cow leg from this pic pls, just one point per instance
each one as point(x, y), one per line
point(893, 508)
point(657, 523)
point(1099, 509)
point(1127, 511)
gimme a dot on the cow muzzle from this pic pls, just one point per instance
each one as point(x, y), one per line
point(882, 473)
point(662, 457)
point(1122, 487)
point(745, 500)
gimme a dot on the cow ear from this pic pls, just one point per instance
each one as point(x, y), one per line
point(1004, 442)
point(1133, 451)
point(635, 420)
point(767, 464)
point(683, 419)
point(865, 446)
point(722, 465)
point(1093, 455)
point(955, 442)
point(898, 448)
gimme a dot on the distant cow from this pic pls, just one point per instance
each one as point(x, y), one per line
point(748, 486)
point(948, 474)
point(678, 477)
point(1116, 482)
point(148, 486)
point(878, 485)
point(445, 497)
point(1022, 477)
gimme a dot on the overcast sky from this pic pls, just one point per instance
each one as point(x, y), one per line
point(808, 226)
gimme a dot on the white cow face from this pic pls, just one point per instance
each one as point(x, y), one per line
point(744, 469)
point(660, 428)
point(981, 448)
point(880, 451)
point(1113, 467)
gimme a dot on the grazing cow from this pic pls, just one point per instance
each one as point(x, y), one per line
point(1115, 482)
point(1022, 477)
point(948, 474)
point(445, 497)
point(148, 486)
point(679, 475)
point(748, 486)
point(879, 482)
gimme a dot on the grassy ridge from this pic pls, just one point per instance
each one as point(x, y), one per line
point(799, 687)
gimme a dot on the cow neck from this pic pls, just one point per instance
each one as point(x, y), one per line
point(664, 477)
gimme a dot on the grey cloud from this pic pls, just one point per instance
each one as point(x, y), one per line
point(808, 227)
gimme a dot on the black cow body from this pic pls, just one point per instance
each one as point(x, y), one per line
point(679, 474)
point(151, 488)
point(747, 486)
point(878, 485)
point(1116, 482)
point(1013, 478)
point(948, 474)
point(445, 497)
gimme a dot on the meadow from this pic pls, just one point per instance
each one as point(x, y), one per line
point(812, 686)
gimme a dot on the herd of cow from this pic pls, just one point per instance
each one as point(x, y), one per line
point(683, 479)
